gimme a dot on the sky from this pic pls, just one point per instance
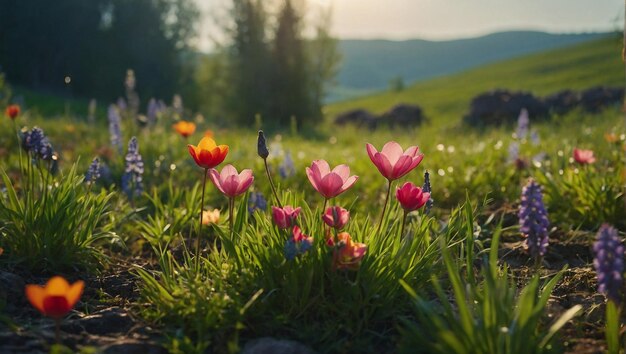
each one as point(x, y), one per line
point(444, 19)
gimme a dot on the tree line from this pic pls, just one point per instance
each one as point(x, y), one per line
point(265, 68)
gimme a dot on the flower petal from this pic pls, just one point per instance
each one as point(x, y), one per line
point(57, 286)
point(343, 171)
point(393, 151)
point(215, 178)
point(35, 295)
point(76, 290)
point(207, 143)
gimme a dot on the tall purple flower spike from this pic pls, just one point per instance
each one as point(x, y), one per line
point(609, 262)
point(533, 219)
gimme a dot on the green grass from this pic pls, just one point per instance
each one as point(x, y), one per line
point(446, 99)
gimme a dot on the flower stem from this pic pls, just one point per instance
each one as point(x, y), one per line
point(382, 215)
point(231, 212)
point(403, 224)
point(323, 211)
point(200, 225)
point(57, 330)
point(19, 147)
point(269, 176)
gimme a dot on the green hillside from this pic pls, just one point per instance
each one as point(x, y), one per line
point(447, 98)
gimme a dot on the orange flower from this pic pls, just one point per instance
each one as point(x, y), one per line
point(348, 254)
point(611, 138)
point(184, 128)
point(208, 154)
point(12, 111)
point(210, 217)
point(55, 299)
point(208, 133)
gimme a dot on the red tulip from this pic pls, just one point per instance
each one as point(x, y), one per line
point(336, 217)
point(584, 157)
point(55, 299)
point(230, 182)
point(392, 162)
point(208, 154)
point(285, 217)
point(411, 197)
point(330, 183)
point(12, 111)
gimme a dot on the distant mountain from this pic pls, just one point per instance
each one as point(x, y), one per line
point(369, 65)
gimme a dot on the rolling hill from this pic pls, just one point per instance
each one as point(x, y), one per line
point(445, 99)
point(368, 65)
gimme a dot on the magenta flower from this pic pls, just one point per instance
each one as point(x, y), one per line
point(411, 197)
point(583, 157)
point(285, 217)
point(392, 162)
point(336, 217)
point(330, 183)
point(230, 182)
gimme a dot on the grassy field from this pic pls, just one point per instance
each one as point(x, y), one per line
point(457, 279)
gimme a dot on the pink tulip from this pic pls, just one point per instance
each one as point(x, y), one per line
point(392, 162)
point(285, 217)
point(336, 217)
point(230, 182)
point(330, 183)
point(584, 157)
point(411, 197)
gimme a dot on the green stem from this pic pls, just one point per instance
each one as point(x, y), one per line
point(382, 215)
point(323, 211)
point(57, 330)
point(269, 176)
point(200, 225)
point(403, 224)
point(231, 212)
point(19, 147)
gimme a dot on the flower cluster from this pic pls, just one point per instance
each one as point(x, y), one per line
point(533, 219)
point(298, 244)
point(609, 262)
point(93, 173)
point(37, 144)
point(133, 170)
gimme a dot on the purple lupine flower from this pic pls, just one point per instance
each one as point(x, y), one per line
point(426, 189)
point(286, 168)
point(152, 111)
point(609, 262)
point(513, 152)
point(131, 96)
point(534, 138)
point(121, 104)
point(115, 122)
point(256, 201)
point(533, 219)
point(37, 144)
point(522, 124)
point(93, 172)
point(133, 171)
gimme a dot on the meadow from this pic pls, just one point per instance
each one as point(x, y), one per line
point(445, 272)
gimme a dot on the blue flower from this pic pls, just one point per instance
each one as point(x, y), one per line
point(115, 122)
point(286, 168)
point(133, 170)
point(533, 219)
point(609, 262)
point(256, 201)
point(93, 173)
